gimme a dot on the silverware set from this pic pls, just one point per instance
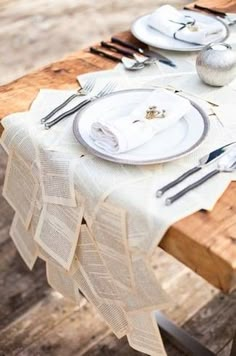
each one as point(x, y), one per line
point(229, 166)
point(108, 88)
point(133, 57)
point(156, 56)
point(129, 64)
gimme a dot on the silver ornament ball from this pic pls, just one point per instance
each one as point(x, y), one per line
point(216, 64)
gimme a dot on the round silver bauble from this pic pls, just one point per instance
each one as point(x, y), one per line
point(216, 64)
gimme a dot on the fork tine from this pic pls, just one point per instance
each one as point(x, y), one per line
point(85, 87)
point(107, 89)
point(111, 88)
point(103, 90)
point(92, 84)
point(88, 86)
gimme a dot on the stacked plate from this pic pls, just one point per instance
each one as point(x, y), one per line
point(151, 37)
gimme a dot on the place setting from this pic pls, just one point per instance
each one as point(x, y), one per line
point(165, 29)
point(164, 127)
point(179, 30)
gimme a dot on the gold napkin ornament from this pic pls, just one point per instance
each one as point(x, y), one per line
point(153, 113)
point(192, 27)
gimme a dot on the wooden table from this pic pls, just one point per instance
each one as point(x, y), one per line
point(205, 242)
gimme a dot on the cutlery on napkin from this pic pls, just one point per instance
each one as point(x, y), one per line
point(203, 162)
point(174, 23)
point(133, 130)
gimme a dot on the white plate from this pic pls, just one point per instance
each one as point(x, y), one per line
point(178, 140)
point(151, 37)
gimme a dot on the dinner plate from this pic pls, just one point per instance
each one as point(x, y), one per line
point(177, 141)
point(151, 37)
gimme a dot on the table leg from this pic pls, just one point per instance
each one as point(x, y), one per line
point(180, 338)
point(233, 350)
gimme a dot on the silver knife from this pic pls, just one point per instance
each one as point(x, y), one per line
point(205, 160)
point(145, 52)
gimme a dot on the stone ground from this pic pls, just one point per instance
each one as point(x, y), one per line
point(34, 321)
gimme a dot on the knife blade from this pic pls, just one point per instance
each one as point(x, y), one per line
point(147, 53)
point(203, 161)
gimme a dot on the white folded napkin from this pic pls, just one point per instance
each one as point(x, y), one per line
point(170, 21)
point(125, 133)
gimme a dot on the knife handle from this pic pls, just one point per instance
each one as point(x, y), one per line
point(126, 44)
point(164, 189)
point(104, 54)
point(192, 186)
point(116, 49)
point(214, 12)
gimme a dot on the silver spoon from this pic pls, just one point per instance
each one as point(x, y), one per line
point(132, 64)
point(144, 60)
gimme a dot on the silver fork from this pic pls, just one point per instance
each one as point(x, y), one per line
point(87, 88)
point(108, 88)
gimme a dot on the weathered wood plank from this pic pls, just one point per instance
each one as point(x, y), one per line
point(210, 239)
point(20, 288)
point(215, 324)
point(83, 332)
point(56, 327)
point(110, 345)
point(39, 320)
point(226, 350)
point(35, 321)
point(80, 327)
